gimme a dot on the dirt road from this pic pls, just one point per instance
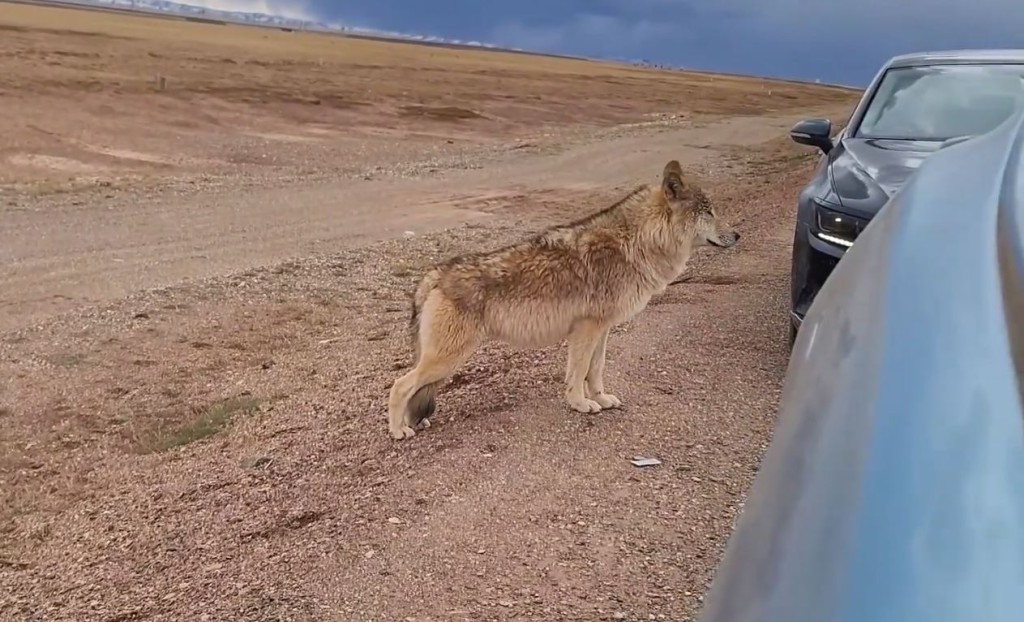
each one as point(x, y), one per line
point(124, 499)
point(60, 255)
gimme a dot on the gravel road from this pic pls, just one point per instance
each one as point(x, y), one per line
point(134, 324)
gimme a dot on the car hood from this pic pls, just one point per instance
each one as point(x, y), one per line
point(893, 486)
point(866, 172)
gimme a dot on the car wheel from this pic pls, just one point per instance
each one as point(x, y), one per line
point(792, 334)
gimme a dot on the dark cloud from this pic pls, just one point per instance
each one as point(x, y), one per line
point(808, 39)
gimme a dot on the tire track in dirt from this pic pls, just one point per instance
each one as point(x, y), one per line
point(55, 261)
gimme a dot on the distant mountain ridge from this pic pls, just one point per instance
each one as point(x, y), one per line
point(263, 19)
point(167, 7)
point(199, 13)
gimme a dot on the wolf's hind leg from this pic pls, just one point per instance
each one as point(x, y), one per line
point(446, 340)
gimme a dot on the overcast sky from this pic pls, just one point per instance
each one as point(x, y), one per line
point(833, 40)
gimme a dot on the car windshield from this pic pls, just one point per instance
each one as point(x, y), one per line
point(939, 102)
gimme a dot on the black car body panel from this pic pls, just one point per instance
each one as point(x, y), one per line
point(856, 176)
point(866, 172)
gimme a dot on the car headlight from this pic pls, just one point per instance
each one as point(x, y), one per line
point(835, 227)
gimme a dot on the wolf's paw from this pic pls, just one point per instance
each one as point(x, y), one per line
point(607, 400)
point(417, 424)
point(402, 433)
point(584, 405)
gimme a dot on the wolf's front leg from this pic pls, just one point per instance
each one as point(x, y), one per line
point(583, 339)
point(595, 376)
point(398, 403)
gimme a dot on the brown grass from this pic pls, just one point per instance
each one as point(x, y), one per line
point(161, 97)
point(440, 113)
point(261, 65)
point(206, 424)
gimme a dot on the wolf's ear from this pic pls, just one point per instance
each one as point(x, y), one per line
point(672, 181)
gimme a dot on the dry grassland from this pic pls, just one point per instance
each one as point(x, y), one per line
point(91, 96)
point(203, 295)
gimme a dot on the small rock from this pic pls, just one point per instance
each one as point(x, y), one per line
point(260, 462)
point(394, 520)
point(640, 461)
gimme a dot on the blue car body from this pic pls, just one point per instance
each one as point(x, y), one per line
point(893, 489)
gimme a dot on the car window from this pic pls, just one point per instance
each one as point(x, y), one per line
point(942, 102)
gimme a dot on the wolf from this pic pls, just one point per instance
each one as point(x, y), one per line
point(571, 282)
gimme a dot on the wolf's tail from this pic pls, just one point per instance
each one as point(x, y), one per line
point(423, 403)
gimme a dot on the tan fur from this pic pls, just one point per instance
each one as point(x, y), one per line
point(572, 282)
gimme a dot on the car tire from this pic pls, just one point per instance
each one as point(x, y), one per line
point(792, 334)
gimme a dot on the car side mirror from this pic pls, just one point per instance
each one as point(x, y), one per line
point(814, 133)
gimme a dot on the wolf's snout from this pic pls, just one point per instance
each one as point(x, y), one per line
point(728, 239)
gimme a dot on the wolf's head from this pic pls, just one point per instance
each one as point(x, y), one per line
point(690, 201)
